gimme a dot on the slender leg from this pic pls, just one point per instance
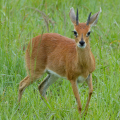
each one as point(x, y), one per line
point(25, 83)
point(89, 82)
point(50, 79)
point(76, 93)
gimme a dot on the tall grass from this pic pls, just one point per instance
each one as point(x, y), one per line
point(22, 20)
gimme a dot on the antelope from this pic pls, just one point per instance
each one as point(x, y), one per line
point(61, 56)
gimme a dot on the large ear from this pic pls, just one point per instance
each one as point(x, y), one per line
point(73, 17)
point(94, 19)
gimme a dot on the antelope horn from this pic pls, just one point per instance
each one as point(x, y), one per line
point(88, 20)
point(77, 18)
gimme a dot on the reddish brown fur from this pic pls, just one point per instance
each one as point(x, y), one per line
point(63, 56)
point(60, 54)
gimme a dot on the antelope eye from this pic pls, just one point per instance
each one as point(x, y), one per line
point(88, 34)
point(75, 33)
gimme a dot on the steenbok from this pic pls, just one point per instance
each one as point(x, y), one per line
point(60, 56)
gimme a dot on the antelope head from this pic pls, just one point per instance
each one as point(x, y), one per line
point(82, 30)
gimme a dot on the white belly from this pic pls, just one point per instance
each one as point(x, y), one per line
point(54, 73)
point(81, 79)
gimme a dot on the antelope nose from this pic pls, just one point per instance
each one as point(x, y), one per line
point(81, 42)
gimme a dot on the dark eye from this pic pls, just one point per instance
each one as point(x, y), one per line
point(75, 33)
point(88, 34)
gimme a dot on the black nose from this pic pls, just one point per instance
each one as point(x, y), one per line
point(81, 42)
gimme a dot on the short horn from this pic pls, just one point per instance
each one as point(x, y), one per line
point(77, 18)
point(88, 20)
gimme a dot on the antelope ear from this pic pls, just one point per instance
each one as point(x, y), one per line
point(93, 19)
point(72, 16)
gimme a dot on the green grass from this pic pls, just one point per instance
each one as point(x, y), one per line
point(20, 21)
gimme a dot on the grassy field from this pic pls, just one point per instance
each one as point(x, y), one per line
point(21, 20)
